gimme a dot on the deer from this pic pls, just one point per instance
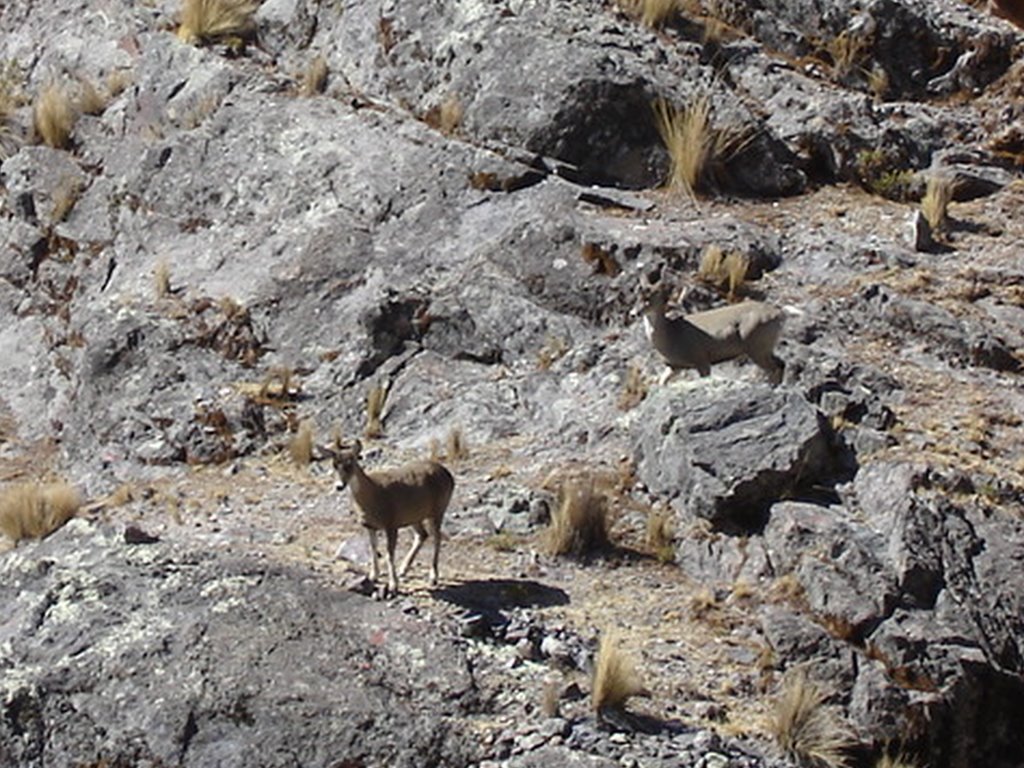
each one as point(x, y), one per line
point(701, 339)
point(415, 494)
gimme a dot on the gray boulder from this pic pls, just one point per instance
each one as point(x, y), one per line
point(727, 452)
point(159, 655)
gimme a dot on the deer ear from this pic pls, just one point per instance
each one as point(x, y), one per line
point(357, 448)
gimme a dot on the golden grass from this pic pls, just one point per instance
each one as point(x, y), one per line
point(376, 399)
point(315, 78)
point(687, 137)
point(35, 510)
point(579, 524)
point(207, 21)
point(616, 677)
point(53, 116)
point(724, 270)
point(455, 445)
point(300, 447)
point(807, 729)
point(162, 281)
point(935, 203)
point(651, 13)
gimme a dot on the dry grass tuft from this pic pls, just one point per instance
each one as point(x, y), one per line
point(376, 399)
point(456, 447)
point(300, 447)
point(895, 761)
point(579, 524)
point(808, 730)
point(11, 96)
point(550, 694)
point(117, 81)
point(652, 13)
point(848, 52)
point(616, 678)
point(35, 510)
point(661, 533)
point(65, 196)
point(315, 79)
point(554, 349)
point(634, 389)
point(162, 281)
point(53, 117)
point(207, 21)
point(90, 100)
point(935, 203)
point(724, 270)
point(450, 115)
point(687, 137)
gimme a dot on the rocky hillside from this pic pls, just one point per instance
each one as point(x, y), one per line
point(210, 237)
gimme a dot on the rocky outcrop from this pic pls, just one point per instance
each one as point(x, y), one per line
point(725, 453)
point(123, 654)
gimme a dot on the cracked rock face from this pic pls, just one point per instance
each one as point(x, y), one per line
point(150, 655)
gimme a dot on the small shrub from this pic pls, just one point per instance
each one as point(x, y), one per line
point(376, 399)
point(935, 203)
point(300, 447)
point(209, 21)
point(53, 117)
point(875, 173)
point(807, 729)
point(616, 678)
point(35, 510)
point(579, 523)
point(315, 79)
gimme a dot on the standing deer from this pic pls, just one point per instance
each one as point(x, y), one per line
point(699, 340)
point(416, 495)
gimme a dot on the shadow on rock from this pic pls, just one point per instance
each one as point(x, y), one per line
point(502, 594)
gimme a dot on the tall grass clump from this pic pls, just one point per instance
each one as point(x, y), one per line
point(35, 510)
point(207, 21)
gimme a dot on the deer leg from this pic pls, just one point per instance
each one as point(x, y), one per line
point(371, 535)
point(392, 540)
point(420, 536)
point(435, 532)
